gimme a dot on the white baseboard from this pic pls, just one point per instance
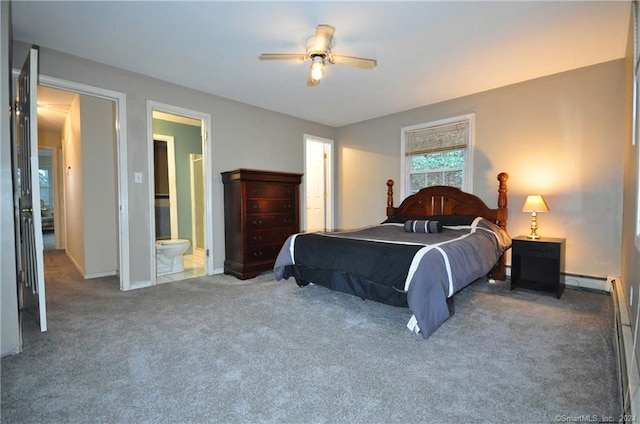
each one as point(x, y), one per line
point(139, 285)
point(100, 274)
point(591, 283)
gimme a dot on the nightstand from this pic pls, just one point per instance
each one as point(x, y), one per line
point(538, 264)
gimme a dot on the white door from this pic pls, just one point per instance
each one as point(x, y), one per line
point(318, 185)
point(315, 187)
point(31, 244)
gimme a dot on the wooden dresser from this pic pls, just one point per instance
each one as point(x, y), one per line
point(261, 209)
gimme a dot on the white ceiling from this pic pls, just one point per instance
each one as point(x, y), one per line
point(427, 51)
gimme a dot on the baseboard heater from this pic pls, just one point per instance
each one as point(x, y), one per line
point(629, 375)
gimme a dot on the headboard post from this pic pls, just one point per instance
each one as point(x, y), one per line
point(389, 198)
point(502, 200)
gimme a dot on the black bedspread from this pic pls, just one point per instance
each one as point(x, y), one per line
point(386, 264)
point(369, 269)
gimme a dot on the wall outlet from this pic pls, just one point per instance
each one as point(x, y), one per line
point(137, 177)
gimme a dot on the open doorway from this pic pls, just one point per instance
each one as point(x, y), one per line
point(106, 115)
point(318, 184)
point(180, 194)
point(78, 178)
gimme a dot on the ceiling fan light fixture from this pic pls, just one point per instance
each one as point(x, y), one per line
point(317, 68)
point(318, 51)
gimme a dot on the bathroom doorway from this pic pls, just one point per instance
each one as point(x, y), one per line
point(180, 214)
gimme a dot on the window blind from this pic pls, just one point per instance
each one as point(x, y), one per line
point(437, 139)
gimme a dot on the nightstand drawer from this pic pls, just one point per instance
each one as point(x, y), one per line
point(540, 249)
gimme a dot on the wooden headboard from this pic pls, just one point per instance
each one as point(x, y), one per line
point(443, 200)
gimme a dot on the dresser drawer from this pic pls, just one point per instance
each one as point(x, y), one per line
point(255, 206)
point(263, 252)
point(270, 236)
point(271, 221)
point(257, 190)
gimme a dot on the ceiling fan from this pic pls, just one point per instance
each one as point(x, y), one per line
point(318, 53)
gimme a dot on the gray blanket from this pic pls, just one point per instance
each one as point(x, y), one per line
point(448, 261)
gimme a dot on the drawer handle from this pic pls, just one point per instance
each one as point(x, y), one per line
point(254, 206)
point(257, 254)
point(257, 238)
point(259, 222)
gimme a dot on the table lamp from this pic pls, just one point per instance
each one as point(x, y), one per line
point(534, 204)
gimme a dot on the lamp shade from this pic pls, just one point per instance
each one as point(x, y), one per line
point(535, 203)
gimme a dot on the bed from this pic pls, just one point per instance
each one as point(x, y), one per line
point(436, 242)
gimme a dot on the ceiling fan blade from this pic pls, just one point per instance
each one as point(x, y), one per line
point(283, 56)
point(357, 62)
point(322, 40)
point(310, 81)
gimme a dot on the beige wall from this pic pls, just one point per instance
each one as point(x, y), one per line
point(90, 187)
point(99, 187)
point(561, 136)
point(49, 139)
point(73, 169)
point(242, 135)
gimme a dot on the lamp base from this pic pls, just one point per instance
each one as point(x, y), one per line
point(534, 227)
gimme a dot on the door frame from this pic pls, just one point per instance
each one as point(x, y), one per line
point(207, 149)
point(120, 100)
point(329, 181)
point(192, 176)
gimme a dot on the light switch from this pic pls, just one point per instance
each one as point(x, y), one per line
point(137, 177)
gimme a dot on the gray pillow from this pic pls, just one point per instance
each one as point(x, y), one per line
point(422, 226)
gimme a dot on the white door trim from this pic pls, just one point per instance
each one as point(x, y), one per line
point(194, 228)
point(329, 182)
point(207, 149)
point(120, 100)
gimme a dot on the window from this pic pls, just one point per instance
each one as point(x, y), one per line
point(437, 153)
point(45, 186)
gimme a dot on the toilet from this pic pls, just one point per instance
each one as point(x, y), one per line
point(169, 255)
